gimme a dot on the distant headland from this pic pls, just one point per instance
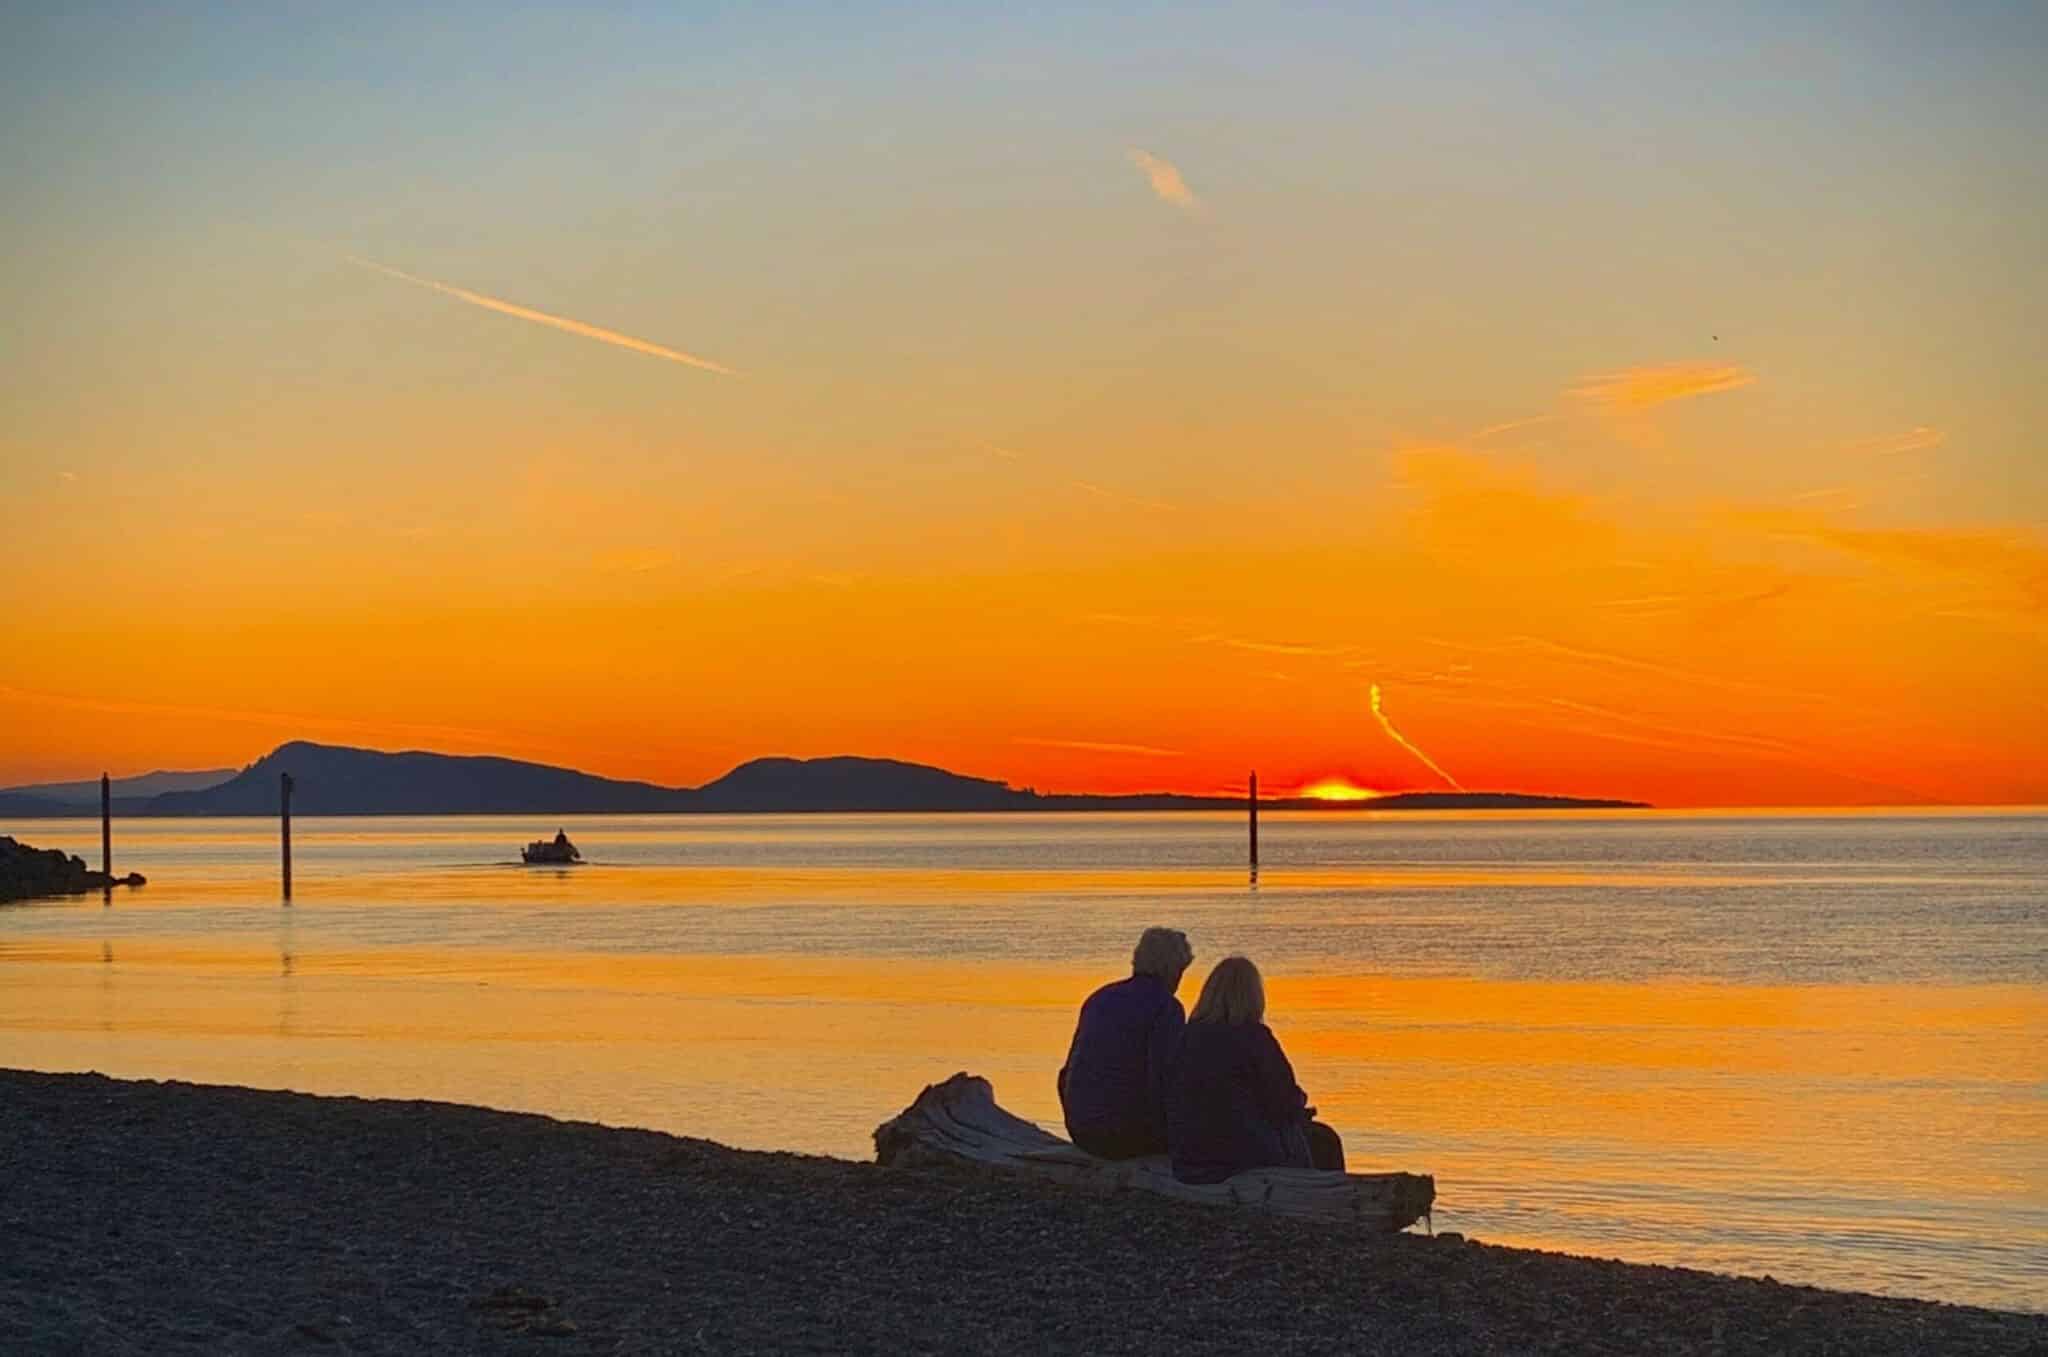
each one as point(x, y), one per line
point(337, 780)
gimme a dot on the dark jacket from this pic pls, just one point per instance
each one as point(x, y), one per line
point(1233, 1104)
point(1114, 1084)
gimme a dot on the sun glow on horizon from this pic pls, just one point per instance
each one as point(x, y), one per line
point(1337, 789)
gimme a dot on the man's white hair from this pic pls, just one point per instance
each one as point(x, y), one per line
point(1162, 952)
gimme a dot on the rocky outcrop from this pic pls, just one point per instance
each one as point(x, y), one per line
point(26, 872)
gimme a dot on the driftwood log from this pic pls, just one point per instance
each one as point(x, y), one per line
point(958, 1121)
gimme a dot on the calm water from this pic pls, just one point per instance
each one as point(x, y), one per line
point(1804, 1045)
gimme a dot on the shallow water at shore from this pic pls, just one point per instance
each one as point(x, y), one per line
point(1805, 1045)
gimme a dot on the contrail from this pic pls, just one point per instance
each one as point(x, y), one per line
point(1402, 740)
point(574, 327)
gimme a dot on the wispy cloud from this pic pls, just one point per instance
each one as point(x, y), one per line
point(1514, 704)
point(1165, 179)
point(1094, 488)
point(67, 475)
point(1099, 747)
point(1916, 439)
point(1120, 497)
point(1509, 426)
point(2011, 559)
point(1297, 649)
point(1687, 733)
point(293, 724)
point(1616, 728)
point(574, 327)
point(1648, 603)
point(1123, 619)
point(1521, 646)
point(1635, 390)
point(633, 560)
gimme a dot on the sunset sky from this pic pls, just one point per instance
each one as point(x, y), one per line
point(1650, 406)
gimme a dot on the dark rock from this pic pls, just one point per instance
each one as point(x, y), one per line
point(27, 872)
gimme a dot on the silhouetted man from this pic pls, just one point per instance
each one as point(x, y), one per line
point(1113, 1086)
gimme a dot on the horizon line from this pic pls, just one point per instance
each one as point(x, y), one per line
point(1352, 806)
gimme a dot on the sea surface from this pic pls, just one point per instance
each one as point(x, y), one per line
point(1808, 1045)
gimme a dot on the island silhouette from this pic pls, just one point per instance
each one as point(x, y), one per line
point(338, 780)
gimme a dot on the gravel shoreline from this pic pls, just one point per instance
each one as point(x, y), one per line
point(167, 1217)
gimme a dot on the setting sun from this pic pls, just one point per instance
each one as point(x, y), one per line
point(1337, 789)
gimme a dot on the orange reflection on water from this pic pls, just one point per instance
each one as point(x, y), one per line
point(1633, 1112)
point(1775, 1080)
point(1668, 1065)
point(741, 886)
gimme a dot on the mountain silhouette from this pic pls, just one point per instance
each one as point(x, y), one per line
point(125, 790)
point(17, 806)
point(846, 783)
point(337, 780)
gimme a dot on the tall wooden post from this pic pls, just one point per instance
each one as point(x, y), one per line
point(1252, 802)
point(284, 787)
point(106, 826)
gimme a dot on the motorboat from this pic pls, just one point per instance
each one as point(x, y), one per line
point(555, 852)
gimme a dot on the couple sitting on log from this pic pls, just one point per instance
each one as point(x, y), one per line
point(1212, 1090)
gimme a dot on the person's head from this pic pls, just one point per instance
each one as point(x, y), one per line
point(1164, 954)
point(1233, 994)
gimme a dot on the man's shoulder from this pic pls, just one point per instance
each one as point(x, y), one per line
point(1132, 992)
point(1104, 996)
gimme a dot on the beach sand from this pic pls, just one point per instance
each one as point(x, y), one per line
point(166, 1217)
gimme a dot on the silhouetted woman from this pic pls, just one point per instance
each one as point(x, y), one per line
point(1232, 1103)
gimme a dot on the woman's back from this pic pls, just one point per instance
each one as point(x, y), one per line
point(1232, 1103)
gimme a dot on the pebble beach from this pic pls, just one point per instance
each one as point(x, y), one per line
point(168, 1217)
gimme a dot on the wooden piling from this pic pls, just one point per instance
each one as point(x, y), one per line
point(106, 826)
point(284, 788)
point(1252, 804)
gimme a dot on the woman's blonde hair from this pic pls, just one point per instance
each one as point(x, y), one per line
point(1162, 952)
point(1233, 994)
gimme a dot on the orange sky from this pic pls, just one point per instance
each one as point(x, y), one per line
point(1524, 636)
point(1097, 428)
